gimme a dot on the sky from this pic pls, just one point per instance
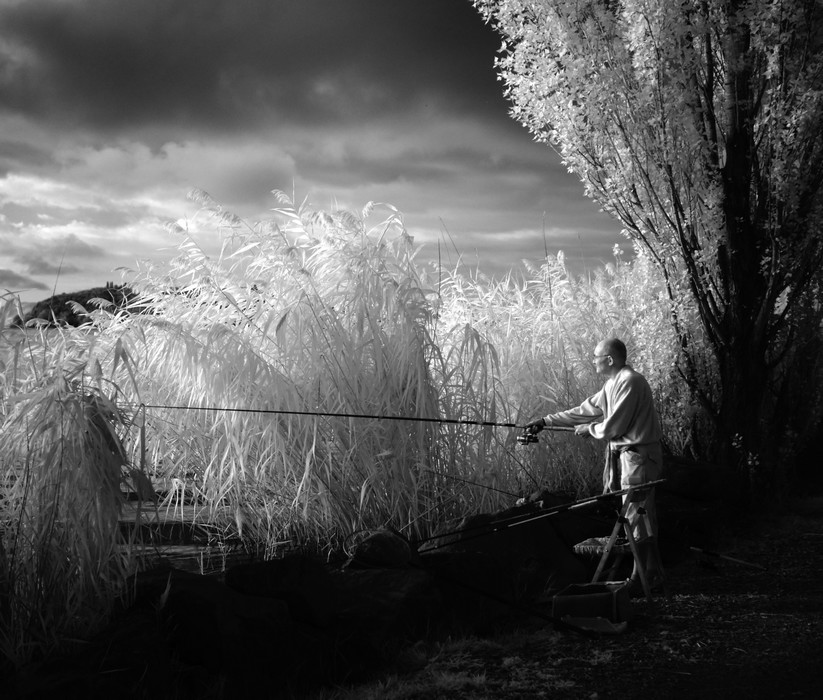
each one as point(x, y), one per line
point(111, 111)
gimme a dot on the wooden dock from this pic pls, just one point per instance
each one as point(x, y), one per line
point(184, 536)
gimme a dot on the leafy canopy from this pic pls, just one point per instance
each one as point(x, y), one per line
point(697, 125)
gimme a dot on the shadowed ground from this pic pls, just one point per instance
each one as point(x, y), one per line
point(726, 631)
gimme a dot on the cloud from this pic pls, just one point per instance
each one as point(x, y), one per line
point(112, 110)
point(34, 262)
point(72, 235)
point(211, 62)
point(15, 153)
point(242, 168)
point(15, 282)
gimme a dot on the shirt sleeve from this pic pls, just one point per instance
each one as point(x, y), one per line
point(586, 412)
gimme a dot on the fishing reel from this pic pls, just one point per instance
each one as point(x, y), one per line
point(527, 437)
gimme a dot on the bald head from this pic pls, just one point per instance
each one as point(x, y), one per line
point(609, 357)
point(617, 349)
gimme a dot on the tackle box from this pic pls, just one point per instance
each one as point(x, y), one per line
point(607, 599)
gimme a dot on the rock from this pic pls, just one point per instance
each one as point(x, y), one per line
point(209, 624)
point(379, 612)
point(476, 594)
point(379, 548)
point(299, 580)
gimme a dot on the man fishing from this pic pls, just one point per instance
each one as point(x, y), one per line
point(623, 413)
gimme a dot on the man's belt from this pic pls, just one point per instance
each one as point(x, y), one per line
point(620, 449)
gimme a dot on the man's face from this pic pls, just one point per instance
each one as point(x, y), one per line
point(602, 359)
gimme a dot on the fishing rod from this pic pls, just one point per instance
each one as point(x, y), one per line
point(279, 411)
point(707, 553)
point(500, 524)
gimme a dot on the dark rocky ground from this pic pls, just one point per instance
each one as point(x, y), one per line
point(726, 630)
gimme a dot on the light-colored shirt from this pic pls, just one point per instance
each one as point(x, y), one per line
point(622, 412)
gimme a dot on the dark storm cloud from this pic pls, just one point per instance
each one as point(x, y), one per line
point(207, 63)
point(111, 110)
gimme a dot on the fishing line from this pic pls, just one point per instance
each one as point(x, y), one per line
point(472, 483)
point(451, 421)
point(520, 463)
point(279, 411)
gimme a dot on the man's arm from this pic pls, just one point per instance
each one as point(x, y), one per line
point(586, 412)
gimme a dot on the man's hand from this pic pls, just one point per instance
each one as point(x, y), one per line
point(582, 430)
point(535, 426)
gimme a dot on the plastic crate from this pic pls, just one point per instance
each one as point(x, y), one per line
point(608, 599)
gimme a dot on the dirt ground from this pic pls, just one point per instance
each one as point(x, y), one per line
point(726, 630)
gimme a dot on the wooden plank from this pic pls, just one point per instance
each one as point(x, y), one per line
point(149, 513)
point(193, 558)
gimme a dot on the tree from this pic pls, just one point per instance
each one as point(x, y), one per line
point(71, 308)
point(697, 123)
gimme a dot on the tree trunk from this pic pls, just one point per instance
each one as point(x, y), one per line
point(744, 376)
point(742, 436)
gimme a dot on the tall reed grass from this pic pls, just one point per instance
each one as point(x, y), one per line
point(321, 313)
point(62, 559)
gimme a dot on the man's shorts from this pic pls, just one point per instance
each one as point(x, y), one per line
point(639, 465)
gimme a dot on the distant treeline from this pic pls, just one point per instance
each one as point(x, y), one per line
point(58, 309)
